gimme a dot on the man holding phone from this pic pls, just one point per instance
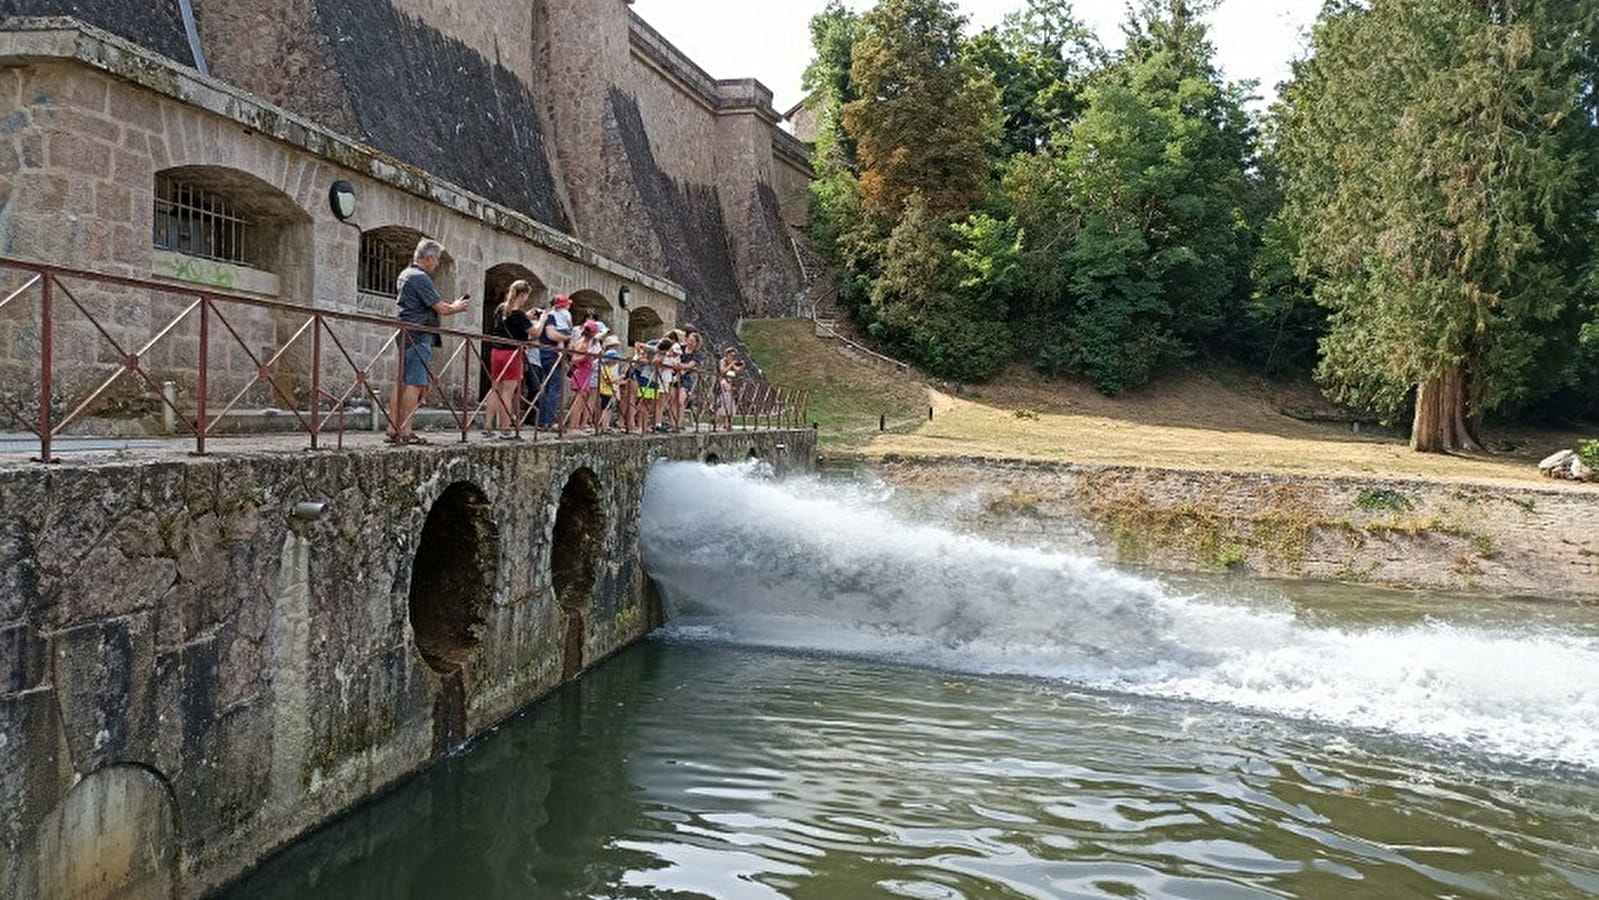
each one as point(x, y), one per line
point(418, 303)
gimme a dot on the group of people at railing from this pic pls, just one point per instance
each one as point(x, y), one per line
point(547, 371)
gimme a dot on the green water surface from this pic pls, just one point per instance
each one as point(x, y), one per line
point(687, 770)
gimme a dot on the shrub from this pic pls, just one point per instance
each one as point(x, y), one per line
point(1383, 499)
point(1589, 451)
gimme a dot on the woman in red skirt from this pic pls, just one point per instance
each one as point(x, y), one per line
point(505, 361)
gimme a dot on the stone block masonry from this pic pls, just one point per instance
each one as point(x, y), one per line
point(1499, 539)
point(202, 659)
point(515, 100)
point(95, 126)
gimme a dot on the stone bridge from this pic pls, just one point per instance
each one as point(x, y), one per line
point(201, 659)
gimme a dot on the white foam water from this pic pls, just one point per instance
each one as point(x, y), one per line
point(825, 567)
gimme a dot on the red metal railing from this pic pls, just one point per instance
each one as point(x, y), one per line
point(321, 351)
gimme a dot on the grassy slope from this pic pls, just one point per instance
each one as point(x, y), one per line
point(847, 398)
point(1188, 421)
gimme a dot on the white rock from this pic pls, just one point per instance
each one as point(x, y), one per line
point(1558, 461)
point(1581, 470)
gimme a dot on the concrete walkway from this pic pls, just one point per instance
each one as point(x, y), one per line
point(21, 449)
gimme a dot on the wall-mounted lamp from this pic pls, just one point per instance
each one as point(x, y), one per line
point(341, 197)
point(623, 295)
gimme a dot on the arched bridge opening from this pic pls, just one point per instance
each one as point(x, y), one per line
point(452, 584)
point(576, 548)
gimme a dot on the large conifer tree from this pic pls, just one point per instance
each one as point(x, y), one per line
point(1439, 171)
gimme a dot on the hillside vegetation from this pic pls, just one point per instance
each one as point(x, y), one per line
point(1186, 420)
point(1412, 224)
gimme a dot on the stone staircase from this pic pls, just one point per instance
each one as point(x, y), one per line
point(819, 300)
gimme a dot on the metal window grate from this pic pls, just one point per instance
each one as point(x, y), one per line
point(383, 257)
point(195, 221)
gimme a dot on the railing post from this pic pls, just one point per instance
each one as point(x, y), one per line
point(467, 406)
point(46, 364)
point(562, 362)
point(395, 399)
point(201, 417)
point(316, 378)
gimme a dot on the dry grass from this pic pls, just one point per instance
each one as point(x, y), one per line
point(847, 397)
point(1186, 421)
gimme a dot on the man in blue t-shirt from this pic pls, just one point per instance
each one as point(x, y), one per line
point(417, 303)
point(552, 340)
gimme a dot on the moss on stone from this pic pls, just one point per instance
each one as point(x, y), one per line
point(1280, 531)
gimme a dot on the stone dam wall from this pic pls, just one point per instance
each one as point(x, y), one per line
point(195, 668)
point(1505, 540)
point(91, 130)
point(575, 113)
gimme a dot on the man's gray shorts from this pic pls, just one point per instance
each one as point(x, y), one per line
point(418, 351)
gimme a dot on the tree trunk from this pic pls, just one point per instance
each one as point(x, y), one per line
point(1442, 422)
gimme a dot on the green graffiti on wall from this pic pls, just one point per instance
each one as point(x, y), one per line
point(202, 271)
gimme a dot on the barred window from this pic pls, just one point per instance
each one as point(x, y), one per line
point(195, 221)
point(385, 252)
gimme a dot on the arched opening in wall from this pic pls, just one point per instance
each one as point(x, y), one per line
point(644, 324)
point(225, 216)
point(496, 281)
point(114, 835)
point(753, 454)
point(711, 459)
point(452, 583)
point(591, 303)
point(576, 545)
point(452, 578)
point(384, 254)
point(228, 230)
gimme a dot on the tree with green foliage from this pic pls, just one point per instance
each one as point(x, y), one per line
point(1279, 328)
point(827, 82)
point(1038, 59)
point(1136, 215)
point(943, 290)
point(923, 116)
point(1439, 160)
point(835, 201)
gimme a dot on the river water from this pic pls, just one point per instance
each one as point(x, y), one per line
point(846, 703)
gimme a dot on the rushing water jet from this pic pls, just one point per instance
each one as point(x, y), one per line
point(819, 566)
point(862, 760)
